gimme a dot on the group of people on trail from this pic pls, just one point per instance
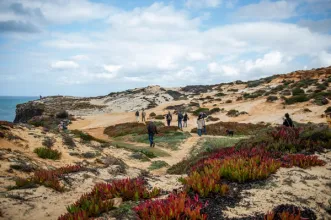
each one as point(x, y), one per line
point(201, 123)
point(143, 116)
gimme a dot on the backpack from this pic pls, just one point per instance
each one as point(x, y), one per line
point(169, 117)
point(137, 113)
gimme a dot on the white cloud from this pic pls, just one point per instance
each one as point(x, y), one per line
point(64, 64)
point(203, 3)
point(271, 59)
point(268, 10)
point(324, 59)
point(105, 75)
point(79, 57)
point(222, 69)
point(196, 56)
point(112, 68)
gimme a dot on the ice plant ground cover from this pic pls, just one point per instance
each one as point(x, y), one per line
point(99, 200)
point(48, 178)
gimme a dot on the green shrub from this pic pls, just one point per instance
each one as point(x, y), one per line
point(199, 110)
point(233, 113)
point(47, 153)
point(295, 99)
point(147, 153)
point(211, 118)
point(48, 142)
point(158, 164)
point(152, 114)
point(228, 101)
point(322, 87)
point(297, 91)
point(214, 110)
point(233, 90)
point(62, 115)
point(256, 83)
point(328, 110)
point(86, 137)
point(159, 117)
point(220, 94)
point(69, 141)
point(272, 98)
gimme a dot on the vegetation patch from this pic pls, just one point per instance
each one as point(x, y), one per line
point(99, 200)
point(69, 141)
point(296, 99)
point(199, 110)
point(233, 113)
point(272, 98)
point(47, 153)
point(48, 142)
point(158, 164)
point(86, 137)
point(48, 178)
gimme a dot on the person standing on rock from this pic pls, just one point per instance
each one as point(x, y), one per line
point(152, 130)
point(143, 116)
point(180, 120)
point(185, 119)
point(168, 118)
point(137, 116)
point(201, 124)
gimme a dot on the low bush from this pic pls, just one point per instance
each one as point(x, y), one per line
point(47, 153)
point(306, 110)
point(86, 137)
point(158, 164)
point(159, 117)
point(297, 91)
point(220, 94)
point(296, 99)
point(328, 110)
point(48, 178)
point(125, 129)
point(211, 118)
point(152, 114)
point(99, 200)
point(48, 142)
point(69, 141)
point(228, 101)
point(255, 83)
point(233, 113)
point(286, 92)
point(233, 90)
point(272, 98)
point(199, 110)
point(62, 115)
point(214, 110)
point(302, 161)
point(175, 206)
point(219, 128)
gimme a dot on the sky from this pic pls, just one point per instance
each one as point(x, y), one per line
point(94, 47)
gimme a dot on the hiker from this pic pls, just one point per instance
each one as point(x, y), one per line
point(203, 116)
point(185, 119)
point(143, 116)
point(201, 124)
point(151, 129)
point(328, 118)
point(288, 121)
point(137, 116)
point(168, 118)
point(180, 119)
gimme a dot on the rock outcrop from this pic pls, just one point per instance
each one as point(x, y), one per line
point(26, 111)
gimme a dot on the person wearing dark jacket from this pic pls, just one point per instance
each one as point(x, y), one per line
point(168, 118)
point(288, 121)
point(185, 119)
point(151, 129)
point(180, 119)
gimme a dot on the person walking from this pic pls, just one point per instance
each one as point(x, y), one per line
point(288, 121)
point(143, 116)
point(137, 116)
point(185, 119)
point(201, 124)
point(180, 120)
point(168, 118)
point(152, 130)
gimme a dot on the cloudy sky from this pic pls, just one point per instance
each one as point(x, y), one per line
point(93, 47)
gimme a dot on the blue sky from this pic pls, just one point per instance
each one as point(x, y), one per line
point(94, 47)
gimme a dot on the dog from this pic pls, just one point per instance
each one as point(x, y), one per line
point(229, 133)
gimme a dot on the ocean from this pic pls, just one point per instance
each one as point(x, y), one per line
point(8, 106)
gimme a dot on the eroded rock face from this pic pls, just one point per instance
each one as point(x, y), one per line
point(26, 111)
